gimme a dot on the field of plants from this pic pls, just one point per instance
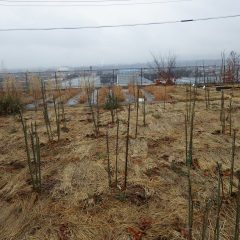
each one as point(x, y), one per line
point(133, 163)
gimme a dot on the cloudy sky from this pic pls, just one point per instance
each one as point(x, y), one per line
point(198, 40)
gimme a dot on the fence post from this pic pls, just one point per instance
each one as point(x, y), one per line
point(26, 81)
point(113, 77)
point(55, 76)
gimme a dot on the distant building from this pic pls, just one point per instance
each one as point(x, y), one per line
point(108, 78)
point(63, 69)
point(135, 79)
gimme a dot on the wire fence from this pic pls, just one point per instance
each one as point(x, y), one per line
point(124, 76)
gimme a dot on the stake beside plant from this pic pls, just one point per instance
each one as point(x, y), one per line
point(117, 146)
point(232, 161)
point(190, 205)
point(88, 90)
point(98, 114)
point(208, 97)
point(24, 126)
point(144, 111)
point(36, 157)
point(57, 117)
point(127, 148)
point(190, 100)
point(230, 117)
point(187, 107)
point(45, 112)
point(237, 222)
point(186, 138)
point(111, 104)
point(165, 95)
point(205, 220)
point(219, 202)
point(222, 113)
point(136, 130)
point(33, 153)
point(108, 161)
point(60, 103)
point(189, 139)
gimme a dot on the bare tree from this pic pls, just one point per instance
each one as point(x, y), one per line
point(164, 66)
point(233, 62)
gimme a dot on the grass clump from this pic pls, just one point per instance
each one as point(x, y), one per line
point(118, 92)
point(10, 104)
point(111, 102)
point(103, 95)
point(32, 146)
point(10, 96)
point(160, 93)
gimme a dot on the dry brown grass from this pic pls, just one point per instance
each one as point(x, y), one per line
point(35, 87)
point(63, 94)
point(87, 86)
point(118, 93)
point(83, 97)
point(102, 95)
point(133, 90)
point(69, 93)
point(15, 89)
point(159, 92)
point(57, 93)
point(76, 202)
point(11, 87)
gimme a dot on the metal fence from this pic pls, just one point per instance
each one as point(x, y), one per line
point(122, 77)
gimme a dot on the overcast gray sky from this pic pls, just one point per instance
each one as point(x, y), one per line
point(199, 40)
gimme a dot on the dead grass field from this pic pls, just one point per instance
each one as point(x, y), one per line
point(104, 91)
point(160, 92)
point(76, 202)
point(133, 90)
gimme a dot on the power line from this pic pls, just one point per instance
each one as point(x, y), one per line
point(120, 25)
point(126, 3)
point(57, 1)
